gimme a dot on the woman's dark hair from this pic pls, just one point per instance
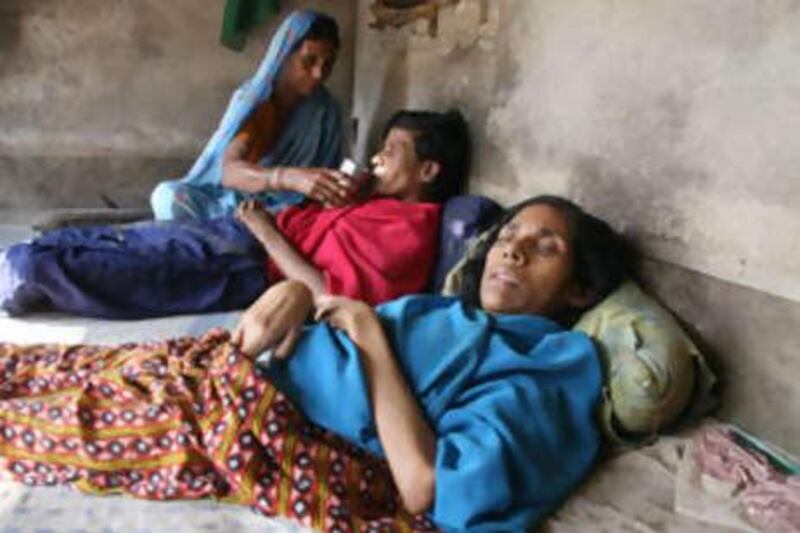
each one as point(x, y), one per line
point(440, 137)
point(602, 256)
point(324, 28)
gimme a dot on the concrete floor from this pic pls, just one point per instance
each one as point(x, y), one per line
point(13, 232)
point(17, 217)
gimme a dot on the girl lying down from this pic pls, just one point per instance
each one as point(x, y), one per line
point(213, 265)
point(426, 412)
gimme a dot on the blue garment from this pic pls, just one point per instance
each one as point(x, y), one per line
point(137, 271)
point(311, 137)
point(511, 399)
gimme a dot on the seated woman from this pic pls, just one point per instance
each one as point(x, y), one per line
point(279, 126)
point(374, 249)
point(483, 411)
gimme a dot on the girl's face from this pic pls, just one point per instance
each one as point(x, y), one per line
point(398, 171)
point(309, 66)
point(529, 269)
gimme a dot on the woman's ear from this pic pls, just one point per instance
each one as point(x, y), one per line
point(430, 169)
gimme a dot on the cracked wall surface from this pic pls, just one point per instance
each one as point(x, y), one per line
point(101, 97)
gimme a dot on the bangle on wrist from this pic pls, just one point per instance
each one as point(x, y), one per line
point(277, 178)
point(272, 179)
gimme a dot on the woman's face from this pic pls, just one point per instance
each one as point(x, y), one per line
point(309, 66)
point(529, 269)
point(398, 171)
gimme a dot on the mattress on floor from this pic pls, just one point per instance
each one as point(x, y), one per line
point(632, 492)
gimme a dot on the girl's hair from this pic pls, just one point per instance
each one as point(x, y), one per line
point(602, 257)
point(440, 137)
point(324, 28)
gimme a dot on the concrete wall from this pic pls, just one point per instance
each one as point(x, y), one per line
point(100, 97)
point(676, 120)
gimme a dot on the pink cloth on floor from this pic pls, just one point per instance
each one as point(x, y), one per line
point(771, 498)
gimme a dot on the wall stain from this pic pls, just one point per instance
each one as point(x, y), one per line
point(637, 204)
point(11, 15)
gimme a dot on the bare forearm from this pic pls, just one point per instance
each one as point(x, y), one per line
point(249, 178)
point(320, 184)
point(290, 261)
point(408, 441)
point(242, 175)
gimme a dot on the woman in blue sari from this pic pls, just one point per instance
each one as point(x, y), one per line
point(483, 406)
point(281, 129)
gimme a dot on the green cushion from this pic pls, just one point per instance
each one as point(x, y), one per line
point(653, 370)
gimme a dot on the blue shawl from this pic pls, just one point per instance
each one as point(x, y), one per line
point(311, 137)
point(135, 271)
point(511, 399)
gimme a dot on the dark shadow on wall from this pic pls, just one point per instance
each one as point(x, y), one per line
point(11, 13)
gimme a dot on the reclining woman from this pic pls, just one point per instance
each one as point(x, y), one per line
point(483, 408)
point(374, 249)
point(280, 131)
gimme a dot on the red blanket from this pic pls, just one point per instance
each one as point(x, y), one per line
point(183, 419)
point(375, 251)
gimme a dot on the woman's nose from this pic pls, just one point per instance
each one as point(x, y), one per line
point(318, 72)
point(513, 253)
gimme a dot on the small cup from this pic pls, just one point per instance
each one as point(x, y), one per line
point(356, 173)
point(349, 167)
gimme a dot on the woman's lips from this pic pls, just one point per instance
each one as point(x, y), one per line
point(505, 276)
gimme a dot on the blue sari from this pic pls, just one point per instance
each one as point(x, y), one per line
point(311, 137)
point(511, 399)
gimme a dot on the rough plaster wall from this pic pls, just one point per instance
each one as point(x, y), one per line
point(751, 337)
point(111, 97)
point(679, 120)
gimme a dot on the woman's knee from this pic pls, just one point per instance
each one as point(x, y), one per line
point(162, 200)
point(173, 200)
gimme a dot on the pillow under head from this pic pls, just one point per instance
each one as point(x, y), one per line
point(653, 370)
point(463, 218)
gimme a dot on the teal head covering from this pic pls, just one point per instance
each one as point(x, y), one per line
point(312, 137)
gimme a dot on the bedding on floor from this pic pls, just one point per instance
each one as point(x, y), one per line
point(633, 491)
point(636, 491)
point(182, 419)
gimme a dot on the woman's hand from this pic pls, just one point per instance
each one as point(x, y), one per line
point(354, 317)
point(406, 437)
point(324, 185)
point(274, 320)
point(253, 215)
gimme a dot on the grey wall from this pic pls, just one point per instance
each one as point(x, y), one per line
point(111, 97)
point(677, 120)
